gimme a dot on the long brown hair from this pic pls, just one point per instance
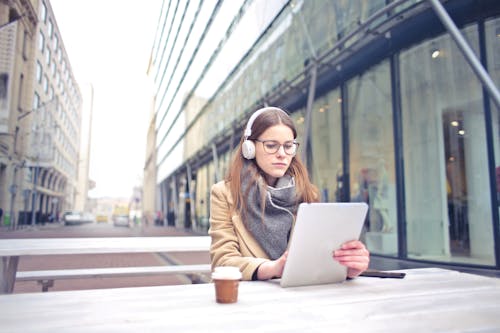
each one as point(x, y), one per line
point(305, 190)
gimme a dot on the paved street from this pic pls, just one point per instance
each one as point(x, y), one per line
point(28, 263)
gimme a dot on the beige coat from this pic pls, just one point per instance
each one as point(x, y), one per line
point(232, 244)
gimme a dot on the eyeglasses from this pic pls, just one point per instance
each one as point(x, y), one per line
point(272, 146)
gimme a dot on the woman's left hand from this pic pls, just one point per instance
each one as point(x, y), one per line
point(354, 256)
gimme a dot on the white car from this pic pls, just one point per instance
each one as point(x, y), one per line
point(77, 217)
point(121, 220)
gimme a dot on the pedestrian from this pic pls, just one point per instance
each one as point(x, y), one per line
point(252, 210)
point(1, 215)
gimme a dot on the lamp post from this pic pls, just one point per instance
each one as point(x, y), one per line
point(40, 129)
point(26, 196)
point(13, 191)
point(35, 193)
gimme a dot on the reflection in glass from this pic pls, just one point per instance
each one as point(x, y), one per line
point(326, 145)
point(492, 29)
point(371, 153)
point(446, 170)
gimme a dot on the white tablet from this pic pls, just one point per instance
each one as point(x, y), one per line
point(320, 229)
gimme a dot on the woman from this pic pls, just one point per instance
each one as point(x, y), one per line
point(253, 210)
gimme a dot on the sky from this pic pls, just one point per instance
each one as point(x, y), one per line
point(108, 43)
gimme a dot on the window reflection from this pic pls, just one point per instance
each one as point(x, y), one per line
point(371, 156)
point(492, 29)
point(445, 154)
point(326, 145)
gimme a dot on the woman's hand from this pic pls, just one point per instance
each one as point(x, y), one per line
point(354, 256)
point(272, 269)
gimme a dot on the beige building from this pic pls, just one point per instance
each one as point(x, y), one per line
point(84, 184)
point(149, 181)
point(40, 115)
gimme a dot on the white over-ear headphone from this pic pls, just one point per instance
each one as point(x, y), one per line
point(248, 147)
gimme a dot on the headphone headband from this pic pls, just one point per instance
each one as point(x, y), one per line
point(248, 129)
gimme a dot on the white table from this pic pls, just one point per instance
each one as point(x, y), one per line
point(11, 249)
point(426, 300)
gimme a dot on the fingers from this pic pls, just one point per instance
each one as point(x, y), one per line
point(352, 248)
point(354, 261)
point(351, 254)
point(273, 268)
point(354, 256)
point(355, 244)
point(352, 272)
point(280, 264)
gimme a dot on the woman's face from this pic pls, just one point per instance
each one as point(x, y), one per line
point(275, 164)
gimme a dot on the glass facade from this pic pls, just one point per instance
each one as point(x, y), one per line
point(446, 167)
point(326, 145)
point(387, 113)
point(371, 155)
point(492, 37)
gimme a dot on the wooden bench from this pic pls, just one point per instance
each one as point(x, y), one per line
point(12, 249)
point(46, 278)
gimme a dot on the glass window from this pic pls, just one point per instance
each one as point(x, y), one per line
point(50, 28)
point(371, 154)
point(203, 186)
point(36, 101)
point(326, 146)
point(20, 97)
point(446, 169)
point(41, 41)
point(492, 29)
point(43, 12)
point(45, 83)
point(26, 44)
point(299, 119)
point(47, 56)
point(38, 72)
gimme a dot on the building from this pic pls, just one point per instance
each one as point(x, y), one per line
point(40, 115)
point(392, 109)
point(83, 183)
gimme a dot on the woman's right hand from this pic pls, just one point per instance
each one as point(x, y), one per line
point(272, 269)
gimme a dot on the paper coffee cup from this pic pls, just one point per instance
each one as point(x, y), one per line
point(226, 280)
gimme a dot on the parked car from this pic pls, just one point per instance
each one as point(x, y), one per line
point(77, 217)
point(101, 218)
point(121, 215)
point(121, 220)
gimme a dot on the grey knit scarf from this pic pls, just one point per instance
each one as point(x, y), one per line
point(271, 226)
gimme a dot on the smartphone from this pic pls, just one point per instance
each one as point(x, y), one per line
point(381, 274)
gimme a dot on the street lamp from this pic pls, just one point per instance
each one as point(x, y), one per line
point(41, 129)
point(35, 193)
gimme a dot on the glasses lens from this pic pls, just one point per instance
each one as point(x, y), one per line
point(290, 148)
point(272, 147)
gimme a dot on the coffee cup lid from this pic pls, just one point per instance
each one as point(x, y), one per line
point(226, 273)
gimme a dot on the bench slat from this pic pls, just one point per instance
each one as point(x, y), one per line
point(111, 272)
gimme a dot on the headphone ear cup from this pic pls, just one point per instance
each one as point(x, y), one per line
point(248, 149)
